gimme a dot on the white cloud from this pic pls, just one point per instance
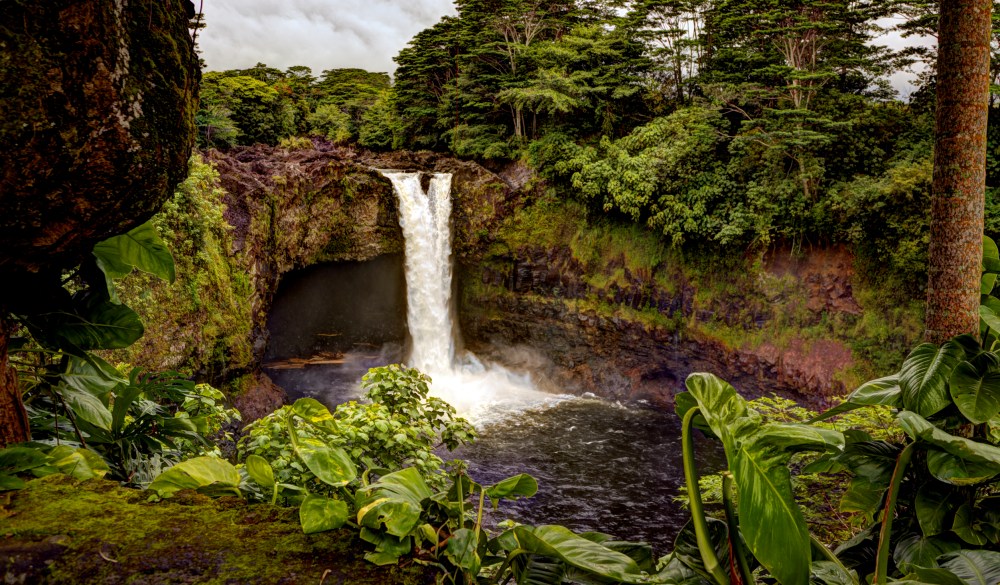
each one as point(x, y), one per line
point(321, 34)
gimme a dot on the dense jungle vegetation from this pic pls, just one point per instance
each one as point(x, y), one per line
point(725, 126)
point(722, 125)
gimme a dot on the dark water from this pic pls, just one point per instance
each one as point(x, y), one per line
point(599, 465)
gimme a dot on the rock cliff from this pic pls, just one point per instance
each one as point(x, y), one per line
point(608, 308)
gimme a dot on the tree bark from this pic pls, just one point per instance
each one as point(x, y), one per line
point(955, 254)
point(13, 418)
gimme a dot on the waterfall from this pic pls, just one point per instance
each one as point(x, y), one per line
point(474, 388)
point(425, 221)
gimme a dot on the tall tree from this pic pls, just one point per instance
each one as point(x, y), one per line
point(959, 186)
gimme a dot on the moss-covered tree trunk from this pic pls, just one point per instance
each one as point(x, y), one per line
point(97, 103)
point(955, 254)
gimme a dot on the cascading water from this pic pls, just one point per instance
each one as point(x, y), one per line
point(477, 390)
point(425, 221)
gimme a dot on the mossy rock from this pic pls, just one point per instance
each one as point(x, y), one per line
point(97, 103)
point(58, 530)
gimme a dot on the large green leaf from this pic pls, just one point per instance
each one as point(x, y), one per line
point(79, 463)
point(725, 412)
point(315, 413)
point(976, 392)
point(560, 543)
point(9, 482)
point(87, 407)
point(92, 323)
point(319, 514)
point(518, 486)
point(640, 552)
point(989, 253)
point(924, 376)
point(872, 464)
point(260, 471)
point(395, 500)
point(140, 247)
point(935, 505)
point(771, 522)
point(18, 459)
point(966, 526)
point(947, 468)
point(916, 551)
point(462, 549)
point(93, 375)
point(332, 465)
point(883, 391)
point(989, 316)
point(974, 567)
point(929, 577)
point(919, 429)
point(206, 474)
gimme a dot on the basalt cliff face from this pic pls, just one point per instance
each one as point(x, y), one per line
point(609, 340)
point(603, 309)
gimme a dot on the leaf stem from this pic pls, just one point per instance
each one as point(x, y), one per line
point(882, 560)
point(735, 540)
point(708, 556)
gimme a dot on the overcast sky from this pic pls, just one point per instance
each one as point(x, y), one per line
point(321, 34)
point(329, 34)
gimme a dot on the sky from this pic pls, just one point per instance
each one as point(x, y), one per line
point(321, 34)
point(330, 34)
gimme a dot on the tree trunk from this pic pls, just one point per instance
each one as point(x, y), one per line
point(13, 418)
point(955, 254)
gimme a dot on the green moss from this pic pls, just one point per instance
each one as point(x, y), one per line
point(96, 532)
point(201, 324)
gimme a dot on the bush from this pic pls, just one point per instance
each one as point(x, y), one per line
point(400, 428)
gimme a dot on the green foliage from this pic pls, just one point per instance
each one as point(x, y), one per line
point(210, 303)
point(771, 523)
point(41, 461)
point(100, 419)
point(330, 121)
point(249, 104)
point(665, 174)
point(401, 427)
point(207, 475)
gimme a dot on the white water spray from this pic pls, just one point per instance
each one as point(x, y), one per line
point(474, 388)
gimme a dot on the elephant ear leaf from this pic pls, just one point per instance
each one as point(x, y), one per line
point(141, 248)
point(209, 475)
point(883, 391)
point(991, 262)
point(976, 391)
point(771, 522)
point(560, 543)
point(975, 567)
point(924, 377)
